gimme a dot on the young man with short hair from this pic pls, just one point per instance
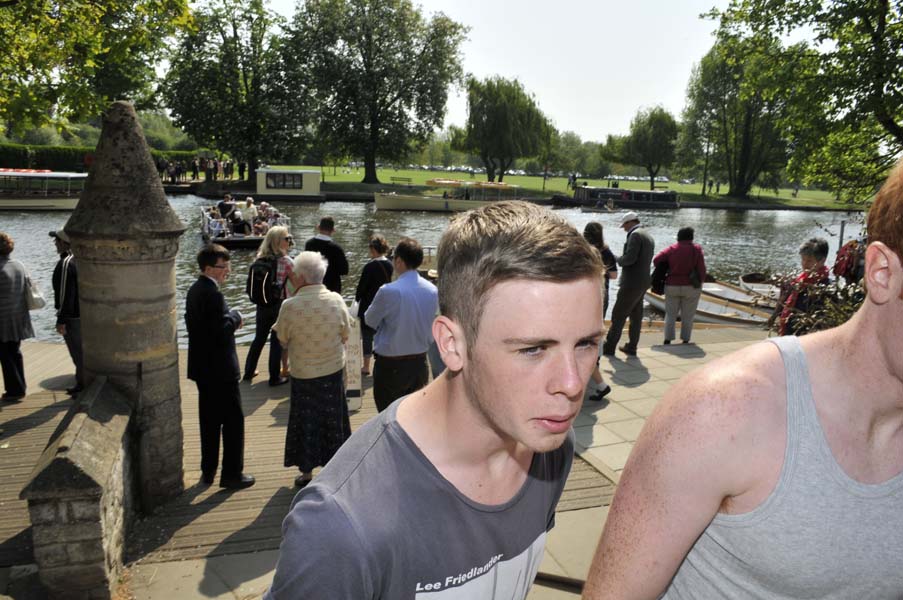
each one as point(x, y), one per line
point(332, 252)
point(213, 366)
point(451, 491)
point(775, 471)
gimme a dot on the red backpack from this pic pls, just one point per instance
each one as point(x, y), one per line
point(847, 259)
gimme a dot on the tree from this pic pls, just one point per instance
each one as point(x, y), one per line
point(380, 73)
point(849, 162)
point(746, 108)
point(858, 54)
point(650, 142)
point(62, 60)
point(503, 124)
point(226, 85)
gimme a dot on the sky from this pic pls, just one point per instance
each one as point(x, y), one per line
point(590, 64)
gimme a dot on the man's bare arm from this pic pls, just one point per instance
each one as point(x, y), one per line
point(692, 456)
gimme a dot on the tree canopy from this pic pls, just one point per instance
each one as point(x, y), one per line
point(747, 109)
point(859, 52)
point(650, 143)
point(225, 85)
point(503, 124)
point(69, 59)
point(379, 71)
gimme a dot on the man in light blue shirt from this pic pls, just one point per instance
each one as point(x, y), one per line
point(402, 314)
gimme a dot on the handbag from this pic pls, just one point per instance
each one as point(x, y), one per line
point(694, 274)
point(658, 278)
point(34, 299)
point(355, 308)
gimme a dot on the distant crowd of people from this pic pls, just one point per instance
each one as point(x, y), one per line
point(177, 171)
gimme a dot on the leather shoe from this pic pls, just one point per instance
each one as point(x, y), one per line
point(250, 376)
point(237, 483)
point(600, 395)
point(280, 381)
point(606, 351)
point(12, 397)
point(74, 390)
point(301, 481)
point(627, 350)
point(207, 478)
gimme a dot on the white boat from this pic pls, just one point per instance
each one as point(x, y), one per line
point(760, 284)
point(722, 290)
point(721, 312)
point(35, 189)
point(458, 195)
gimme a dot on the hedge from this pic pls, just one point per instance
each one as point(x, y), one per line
point(69, 158)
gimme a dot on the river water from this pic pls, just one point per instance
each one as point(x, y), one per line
point(734, 242)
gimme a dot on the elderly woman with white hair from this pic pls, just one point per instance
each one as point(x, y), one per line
point(313, 326)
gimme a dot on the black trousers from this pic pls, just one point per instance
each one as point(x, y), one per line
point(264, 321)
point(394, 378)
point(13, 368)
point(219, 408)
point(629, 304)
point(73, 339)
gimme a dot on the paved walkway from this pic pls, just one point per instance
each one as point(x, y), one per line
point(212, 543)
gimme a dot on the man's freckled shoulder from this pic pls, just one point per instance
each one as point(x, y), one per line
point(741, 385)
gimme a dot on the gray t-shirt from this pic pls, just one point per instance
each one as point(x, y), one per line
point(820, 534)
point(380, 521)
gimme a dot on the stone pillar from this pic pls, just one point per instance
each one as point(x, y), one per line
point(125, 237)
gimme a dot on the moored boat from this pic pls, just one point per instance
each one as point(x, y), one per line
point(721, 312)
point(723, 290)
point(35, 189)
point(458, 195)
point(760, 284)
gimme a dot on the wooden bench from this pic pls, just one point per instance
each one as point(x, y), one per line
point(406, 180)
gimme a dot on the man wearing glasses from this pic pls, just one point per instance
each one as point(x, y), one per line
point(213, 366)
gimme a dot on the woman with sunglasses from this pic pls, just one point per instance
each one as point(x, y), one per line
point(275, 245)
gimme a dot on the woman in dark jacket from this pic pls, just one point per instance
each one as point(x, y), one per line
point(681, 295)
point(593, 234)
point(15, 322)
point(375, 273)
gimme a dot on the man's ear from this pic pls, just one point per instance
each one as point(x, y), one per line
point(883, 273)
point(450, 339)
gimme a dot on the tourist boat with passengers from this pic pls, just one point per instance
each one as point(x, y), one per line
point(219, 232)
point(457, 195)
point(38, 189)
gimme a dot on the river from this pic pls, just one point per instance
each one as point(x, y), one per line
point(734, 242)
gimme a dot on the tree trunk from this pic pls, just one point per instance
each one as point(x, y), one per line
point(370, 167)
point(705, 168)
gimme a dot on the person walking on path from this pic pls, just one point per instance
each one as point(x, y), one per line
point(376, 273)
point(15, 322)
point(474, 464)
point(331, 251)
point(635, 279)
point(402, 313)
point(593, 234)
point(274, 247)
point(68, 313)
point(314, 325)
point(213, 366)
point(777, 470)
point(683, 284)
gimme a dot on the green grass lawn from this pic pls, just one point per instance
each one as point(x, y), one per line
point(344, 179)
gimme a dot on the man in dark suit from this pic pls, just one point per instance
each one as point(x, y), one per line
point(332, 252)
point(213, 366)
point(635, 280)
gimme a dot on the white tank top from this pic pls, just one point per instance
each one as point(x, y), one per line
point(820, 534)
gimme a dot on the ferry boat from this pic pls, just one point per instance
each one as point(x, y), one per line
point(458, 195)
point(603, 199)
point(36, 189)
